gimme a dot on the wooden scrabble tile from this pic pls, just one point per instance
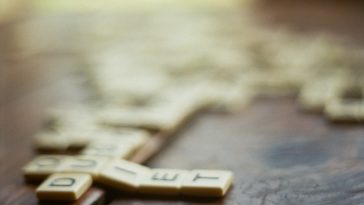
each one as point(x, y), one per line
point(79, 137)
point(315, 94)
point(135, 137)
point(209, 183)
point(64, 187)
point(109, 149)
point(337, 110)
point(162, 182)
point(71, 117)
point(123, 175)
point(51, 141)
point(228, 97)
point(84, 164)
point(43, 166)
point(164, 113)
point(347, 105)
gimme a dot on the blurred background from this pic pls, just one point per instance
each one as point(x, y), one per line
point(42, 41)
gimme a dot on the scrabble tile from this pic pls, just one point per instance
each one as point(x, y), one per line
point(79, 137)
point(72, 116)
point(64, 187)
point(347, 105)
point(228, 97)
point(43, 166)
point(162, 182)
point(315, 94)
point(51, 141)
point(123, 175)
point(337, 110)
point(109, 149)
point(84, 164)
point(164, 113)
point(136, 86)
point(209, 183)
point(135, 137)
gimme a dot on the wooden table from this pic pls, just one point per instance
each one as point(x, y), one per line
point(279, 154)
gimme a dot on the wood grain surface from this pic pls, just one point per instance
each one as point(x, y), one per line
point(279, 154)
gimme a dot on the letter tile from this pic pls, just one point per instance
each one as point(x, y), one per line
point(84, 164)
point(162, 182)
point(64, 187)
point(51, 141)
point(210, 183)
point(109, 149)
point(123, 174)
point(43, 166)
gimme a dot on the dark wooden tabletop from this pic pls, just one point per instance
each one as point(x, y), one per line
point(279, 154)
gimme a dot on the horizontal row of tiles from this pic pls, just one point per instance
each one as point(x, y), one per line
point(128, 176)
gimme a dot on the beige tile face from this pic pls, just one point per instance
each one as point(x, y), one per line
point(84, 164)
point(162, 182)
point(135, 137)
point(64, 187)
point(123, 174)
point(340, 111)
point(314, 95)
point(109, 149)
point(43, 166)
point(79, 137)
point(209, 183)
point(51, 141)
point(164, 112)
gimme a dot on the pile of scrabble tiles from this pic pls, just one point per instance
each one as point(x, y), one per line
point(149, 72)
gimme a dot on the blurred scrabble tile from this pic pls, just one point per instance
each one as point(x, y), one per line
point(209, 183)
point(137, 86)
point(123, 175)
point(84, 164)
point(64, 187)
point(109, 149)
point(75, 122)
point(162, 182)
point(228, 97)
point(347, 104)
point(51, 141)
point(79, 137)
point(134, 137)
point(163, 113)
point(317, 92)
point(148, 118)
point(43, 166)
point(337, 110)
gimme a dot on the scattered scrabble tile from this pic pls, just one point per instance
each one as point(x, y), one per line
point(164, 113)
point(123, 175)
point(162, 182)
point(209, 183)
point(43, 166)
point(134, 137)
point(84, 164)
point(51, 141)
point(337, 110)
point(109, 149)
point(316, 93)
point(348, 102)
point(228, 97)
point(64, 187)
